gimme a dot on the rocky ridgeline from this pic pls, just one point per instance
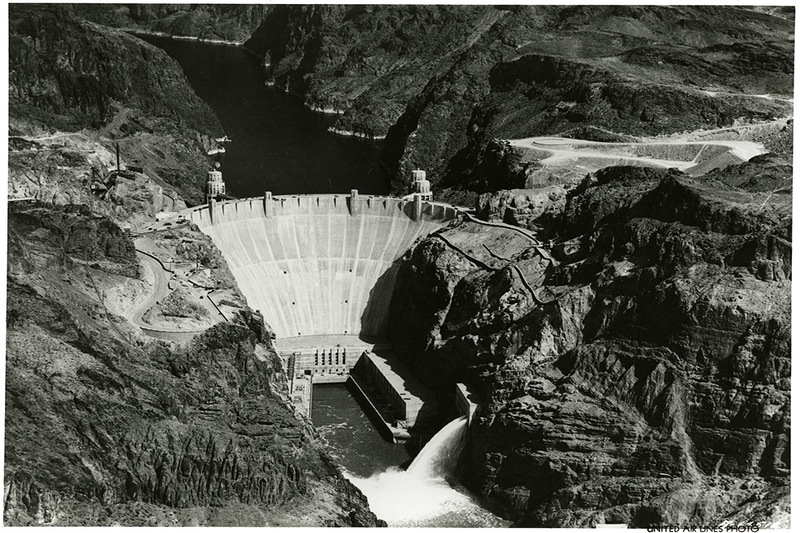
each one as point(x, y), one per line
point(642, 377)
point(102, 428)
point(635, 368)
point(72, 96)
point(442, 82)
point(61, 66)
point(210, 22)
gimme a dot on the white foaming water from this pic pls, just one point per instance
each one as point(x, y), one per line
point(439, 457)
point(422, 496)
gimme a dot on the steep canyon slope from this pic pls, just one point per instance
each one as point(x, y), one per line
point(230, 23)
point(76, 88)
point(105, 427)
point(638, 375)
point(104, 424)
point(440, 82)
point(631, 347)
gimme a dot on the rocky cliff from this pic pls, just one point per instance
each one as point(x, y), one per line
point(232, 23)
point(67, 68)
point(441, 81)
point(104, 424)
point(76, 88)
point(632, 353)
point(635, 364)
point(104, 427)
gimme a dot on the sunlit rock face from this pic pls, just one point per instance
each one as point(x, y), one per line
point(636, 371)
point(642, 375)
point(443, 82)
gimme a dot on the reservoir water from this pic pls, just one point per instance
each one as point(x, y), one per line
point(278, 144)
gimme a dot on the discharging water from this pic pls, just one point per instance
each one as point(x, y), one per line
point(424, 495)
point(280, 146)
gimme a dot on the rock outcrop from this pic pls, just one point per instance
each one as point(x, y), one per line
point(65, 68)
point(232, 23)
point(632, 351)
point(637, 370)
point(102, 428)
point(76, 87)
point(74, 230)
point(528, 208)
point(104, 425)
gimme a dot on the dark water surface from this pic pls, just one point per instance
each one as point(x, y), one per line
point(352, 439)
point(278, 144)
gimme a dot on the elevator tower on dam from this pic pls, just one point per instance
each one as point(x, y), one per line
point(321, 269)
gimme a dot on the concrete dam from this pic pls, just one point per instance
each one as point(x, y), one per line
point(321, 269)
point(322, 264)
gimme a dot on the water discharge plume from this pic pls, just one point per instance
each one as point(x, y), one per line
point(422, 496)
point(439, 457)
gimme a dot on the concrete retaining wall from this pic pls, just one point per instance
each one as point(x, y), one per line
point(393, 382)
point(466, 401)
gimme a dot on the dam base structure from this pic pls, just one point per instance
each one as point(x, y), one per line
point(321, 269)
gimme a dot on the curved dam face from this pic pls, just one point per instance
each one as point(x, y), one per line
point(322, 264)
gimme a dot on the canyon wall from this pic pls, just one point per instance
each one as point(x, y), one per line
point(640, 377)
point(61, 66)
point(103, 424)
point(442, 82)
point(69, 76)
point(231, 23)
point(105, 428)
point(634, 363)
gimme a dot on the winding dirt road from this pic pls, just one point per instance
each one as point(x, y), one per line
point(160, 289)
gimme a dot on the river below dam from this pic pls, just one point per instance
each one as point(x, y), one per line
point(277, 144)
point(352, 439)
point(404, 493)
